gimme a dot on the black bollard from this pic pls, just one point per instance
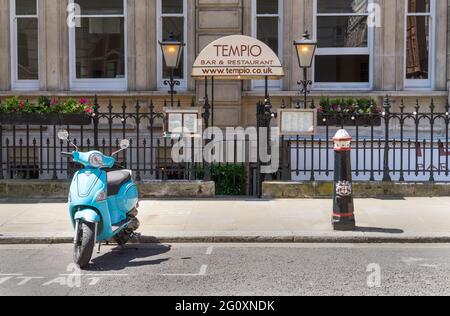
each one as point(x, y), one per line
point(343, 207)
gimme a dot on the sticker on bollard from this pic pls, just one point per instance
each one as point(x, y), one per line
point(343, 207)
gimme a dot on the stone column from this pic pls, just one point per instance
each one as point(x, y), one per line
point(5, 49)
point(441, 45)
point(398, 26)
point(54, 51)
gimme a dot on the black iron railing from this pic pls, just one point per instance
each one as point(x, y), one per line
point(34, 152)
point(387, 146)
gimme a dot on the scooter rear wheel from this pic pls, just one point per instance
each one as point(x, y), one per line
point(84, 249)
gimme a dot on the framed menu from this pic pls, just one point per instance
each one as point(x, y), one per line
point(183, 122)
point(297, 122)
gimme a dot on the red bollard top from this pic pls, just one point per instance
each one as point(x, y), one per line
point(342, 141)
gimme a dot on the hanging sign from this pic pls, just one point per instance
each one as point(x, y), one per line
point(237, 57)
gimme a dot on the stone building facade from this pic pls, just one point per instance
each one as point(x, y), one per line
point(366, 48)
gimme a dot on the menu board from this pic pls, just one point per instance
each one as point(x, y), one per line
point(293, 122)
point(185, 122)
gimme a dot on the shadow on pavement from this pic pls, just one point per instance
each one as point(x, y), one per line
point(391, 198)
point(379, 230)
point(119, 259)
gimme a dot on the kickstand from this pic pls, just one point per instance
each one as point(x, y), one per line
point(99, 247)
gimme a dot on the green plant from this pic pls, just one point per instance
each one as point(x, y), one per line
point(47, 105)
point(230, 179)
point(13, 104)
point(348, 106)
point(9, 105)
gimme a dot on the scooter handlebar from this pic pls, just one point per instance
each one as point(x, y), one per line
point(66, 154)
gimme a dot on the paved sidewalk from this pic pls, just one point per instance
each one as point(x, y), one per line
point(390, 220)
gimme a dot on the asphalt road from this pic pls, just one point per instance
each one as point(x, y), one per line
point(229, 269)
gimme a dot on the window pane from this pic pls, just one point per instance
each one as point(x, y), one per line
point(417, 53)
point(27, 49)
point(267, 29)
point(100, 48)
point(418, 6)
point(342, 69)
point(342, 6)
point(172, 6)
point(26, 7)
point(174, 25)
point(342, 31)
point(267, 7)
point(101, 6)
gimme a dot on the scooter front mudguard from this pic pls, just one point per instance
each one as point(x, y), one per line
point(87, 215)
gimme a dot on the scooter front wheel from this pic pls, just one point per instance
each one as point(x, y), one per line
point(84, 248)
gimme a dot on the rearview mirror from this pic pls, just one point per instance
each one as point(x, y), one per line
point(124, 144)
point(63, 134)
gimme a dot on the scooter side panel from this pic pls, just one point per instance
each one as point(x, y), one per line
point(117, 214)
point(128, 196)
point(123, 202)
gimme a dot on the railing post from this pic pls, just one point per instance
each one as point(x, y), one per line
point(55, 175)
point(1, 153)
point(264, 117)
point(312, 177)
point(138, 126)
point(259, 123)
point(387, 117)
point(96, 121)
point(432, 108)
point(447, 115)
point(402, 133)
point(206, 115)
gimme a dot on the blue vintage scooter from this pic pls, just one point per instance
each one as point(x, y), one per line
point(102, 204)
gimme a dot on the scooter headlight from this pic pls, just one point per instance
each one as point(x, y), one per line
point(96, 160)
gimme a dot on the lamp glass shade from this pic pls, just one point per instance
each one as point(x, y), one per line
point(172, 52)
point(305, 52)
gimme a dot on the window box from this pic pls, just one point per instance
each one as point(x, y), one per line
point(348, 119)
point(44, 119)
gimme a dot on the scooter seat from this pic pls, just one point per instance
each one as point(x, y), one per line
point(116, 179)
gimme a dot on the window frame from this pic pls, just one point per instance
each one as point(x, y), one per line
point(107, 84)
point(425, 84)
point(342, 51)
point(160, 80)
point(16, 83)
point(259, 85)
